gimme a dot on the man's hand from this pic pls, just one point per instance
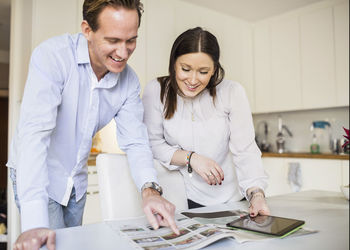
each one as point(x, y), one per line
point(158, 210)
point(35, 238)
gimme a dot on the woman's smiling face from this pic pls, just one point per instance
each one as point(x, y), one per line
point(193, 72)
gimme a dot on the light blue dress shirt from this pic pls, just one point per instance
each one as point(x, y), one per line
point(62, 108)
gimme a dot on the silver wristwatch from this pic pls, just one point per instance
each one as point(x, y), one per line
point(152, 185)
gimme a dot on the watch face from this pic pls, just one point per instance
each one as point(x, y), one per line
point(157, 187)
point(154, 186)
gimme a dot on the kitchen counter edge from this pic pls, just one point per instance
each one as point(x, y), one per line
point(307, 155)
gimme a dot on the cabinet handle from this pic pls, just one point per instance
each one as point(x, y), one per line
point(93, 192)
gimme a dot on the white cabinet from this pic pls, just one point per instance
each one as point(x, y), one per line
point(317, 59)
point(317, 174)
point(278, 176)
point(262, 68)
point(285, 66)
point(301, 59)
point(277, 65)
point(92, 211)
point(341, 38)
point(345, 172)
point(320, 174)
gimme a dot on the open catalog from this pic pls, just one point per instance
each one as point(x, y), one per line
point(197, 230)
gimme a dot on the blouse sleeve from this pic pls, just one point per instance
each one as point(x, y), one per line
point(246, 154)
point(153, 118)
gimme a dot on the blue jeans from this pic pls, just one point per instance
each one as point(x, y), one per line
point(59, 216)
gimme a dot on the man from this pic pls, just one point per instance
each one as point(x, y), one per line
point(76, 84)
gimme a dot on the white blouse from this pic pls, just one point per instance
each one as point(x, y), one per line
point(211, 130)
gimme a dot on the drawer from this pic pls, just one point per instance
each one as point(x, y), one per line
point(92, 211)
point(92, 175)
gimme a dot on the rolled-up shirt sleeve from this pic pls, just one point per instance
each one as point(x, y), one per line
point(246, 154)
point(132, 135)
point(153, 118)
point(42, 96)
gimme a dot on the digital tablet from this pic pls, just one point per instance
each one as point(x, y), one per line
point(272, 225)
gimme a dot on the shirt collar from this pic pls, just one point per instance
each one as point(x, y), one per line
point(110, 79)
point(82, 50)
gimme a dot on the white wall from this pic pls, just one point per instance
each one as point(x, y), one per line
point(162, 22)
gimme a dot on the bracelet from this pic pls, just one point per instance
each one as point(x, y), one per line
point(254, 192)
point(188, 159)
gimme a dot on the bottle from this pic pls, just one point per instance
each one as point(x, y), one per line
point(322, 131)
point(314, 147)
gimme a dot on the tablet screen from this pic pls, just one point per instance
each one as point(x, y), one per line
point(272, 225)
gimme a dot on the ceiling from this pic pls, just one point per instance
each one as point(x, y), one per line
point(249, 10)
point(252, 10)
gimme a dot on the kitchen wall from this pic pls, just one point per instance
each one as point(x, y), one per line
point(152, 54)
point(299, 123)
point(238, 52)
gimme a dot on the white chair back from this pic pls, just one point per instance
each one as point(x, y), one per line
point(119, 196)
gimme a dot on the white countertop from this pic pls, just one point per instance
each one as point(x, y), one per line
point(327, 212)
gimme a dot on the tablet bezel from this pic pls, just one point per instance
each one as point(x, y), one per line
point(282, 233)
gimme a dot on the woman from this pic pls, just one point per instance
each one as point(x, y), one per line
point(201, 125)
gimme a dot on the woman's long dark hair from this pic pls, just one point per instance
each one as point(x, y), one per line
point(191, 41)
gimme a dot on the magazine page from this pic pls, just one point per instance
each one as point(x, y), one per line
point(221, 218)
point(193, 235)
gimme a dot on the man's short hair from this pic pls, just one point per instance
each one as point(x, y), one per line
point(92, 9)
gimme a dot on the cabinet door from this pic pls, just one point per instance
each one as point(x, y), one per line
point(235, 39)
point(320, 174)
point(285, 64)
point(316, 174)
point(317, 59)
point(278, 176)
point(341, 38)
point(92, 211)
point(345, 172)
point(262, 68)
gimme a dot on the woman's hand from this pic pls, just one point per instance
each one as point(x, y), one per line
point(258, 205)
point(208, 169)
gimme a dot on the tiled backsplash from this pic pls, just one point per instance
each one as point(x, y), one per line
point(299, 123)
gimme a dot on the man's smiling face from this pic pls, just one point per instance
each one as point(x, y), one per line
point(112, 44)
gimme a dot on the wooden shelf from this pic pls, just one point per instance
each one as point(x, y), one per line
point(308, 155)
point(92, 159)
